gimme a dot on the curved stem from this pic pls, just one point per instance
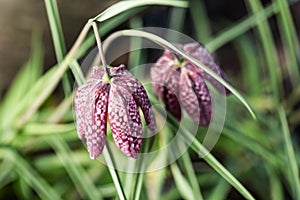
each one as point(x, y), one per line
point(164, 43)
point(99, 44)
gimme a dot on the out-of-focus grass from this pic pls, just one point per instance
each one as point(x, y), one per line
point(44, 157)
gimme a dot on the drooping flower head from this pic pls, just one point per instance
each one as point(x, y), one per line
point(178, 81)
point(115, 98)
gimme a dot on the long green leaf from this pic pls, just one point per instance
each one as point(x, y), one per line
point(47, 129)
point(269, 48)
point(200, 20)
point(220, 192)
point(58, 38)
point(250, 66)
point(230, 33)
point(32, 178)
point(191, 175)
point(208, 157)
point(165, 43)
point(127, 5)
point(56, 29)
point(24, 81)
point(75, 171)
point(292, 165)
point(290, 40)
point(113, 172)
point(218, 167)
point(181, 183)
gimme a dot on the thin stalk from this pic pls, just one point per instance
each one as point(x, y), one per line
point(136, 193)
point(114, 174)
point(112, 11)
point(99, 44)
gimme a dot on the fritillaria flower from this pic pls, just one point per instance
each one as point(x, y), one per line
point(114, 97)
point(178, 81)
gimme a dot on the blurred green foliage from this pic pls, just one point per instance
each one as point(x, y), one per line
point(42, 158)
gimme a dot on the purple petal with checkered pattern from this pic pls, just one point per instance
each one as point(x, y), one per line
point(165, 80)
point(90, 109)
point(138, 92)
point(195, 96)
point(81, 105)
point(125, 122)
point(199, 52)
point(97, 100)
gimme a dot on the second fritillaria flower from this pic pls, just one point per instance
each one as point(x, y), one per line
point(178, 81)
point(118, 100)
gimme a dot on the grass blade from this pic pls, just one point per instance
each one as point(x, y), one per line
point(290, 155)
point(31, 177)
point(164, 43)
point(47, 129)
point(24, 81)
point(237, 29)
point(127, 5)
point(75, 171)
point(250, 70)
point(220, 169)
point(276, 189)
point(290, 40)
point(220, 191)
point(191, 175)
point(269, 49)
point(113, 172)
point(181, 183)
point(200, 20)
point(56, 29)
point(58, 38)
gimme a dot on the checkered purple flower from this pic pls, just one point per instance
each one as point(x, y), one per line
point(178, 81)
point(118, 100)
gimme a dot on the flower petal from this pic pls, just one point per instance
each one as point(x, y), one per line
point(195, 96)
point(97, 120)
point(119, 71)
point(199, 52)
point(140, 96)
point(126, 80)
point(125, 122)
point(165, 81)
point(80, 101)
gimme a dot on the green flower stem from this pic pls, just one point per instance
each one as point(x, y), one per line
point(99, 44)
point(166, 44)
point(112, 11)
point(114, 174)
